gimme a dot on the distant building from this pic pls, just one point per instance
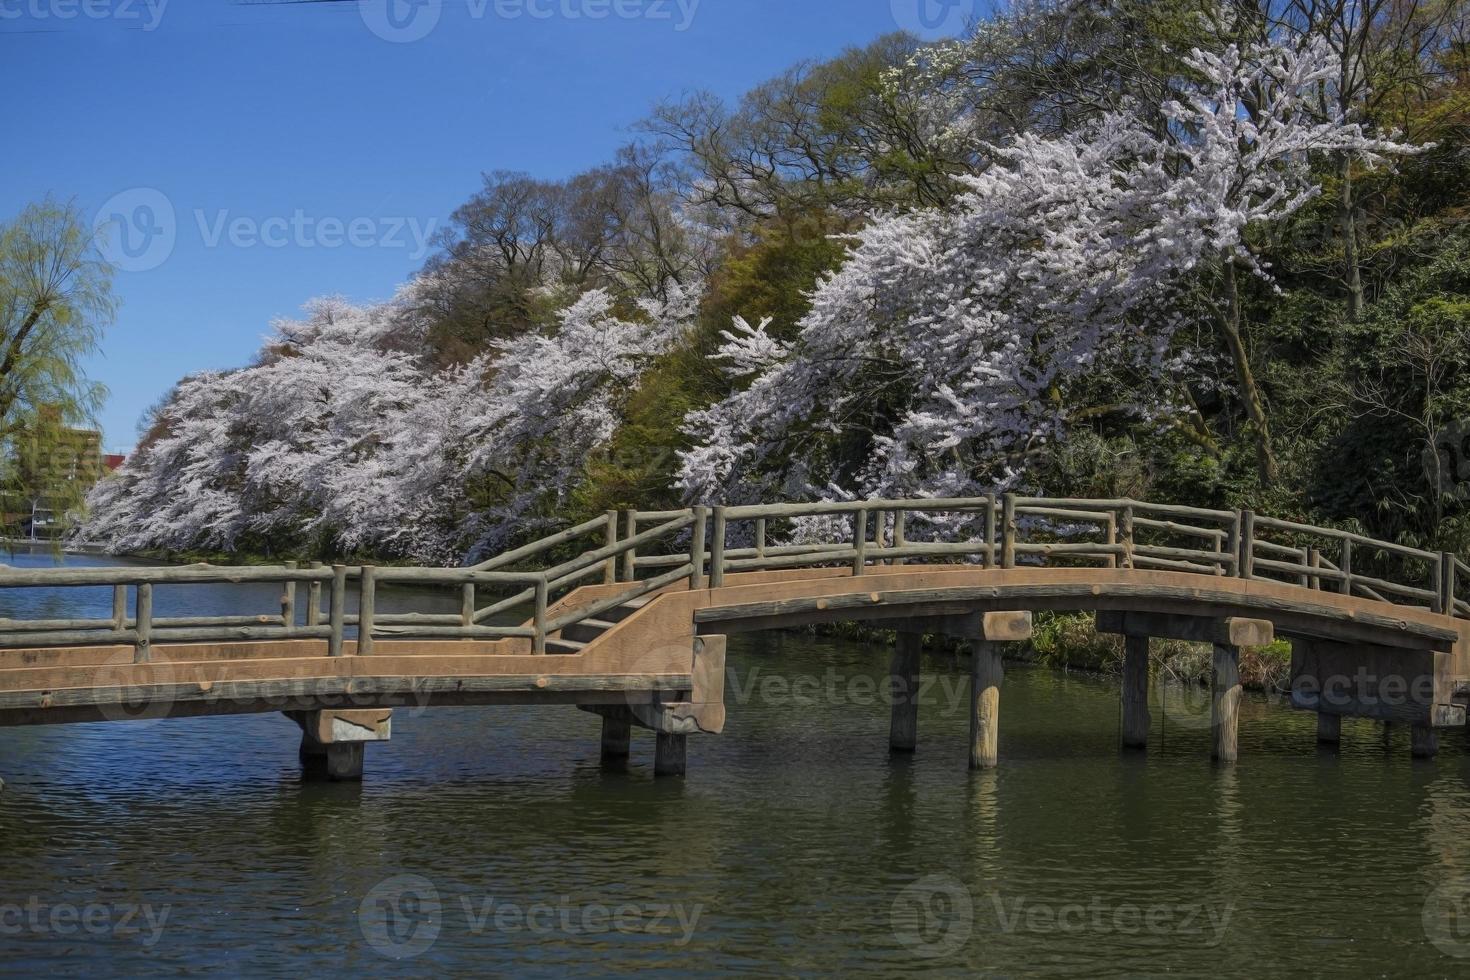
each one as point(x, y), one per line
point(50, 471)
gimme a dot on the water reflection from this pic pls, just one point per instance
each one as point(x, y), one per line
point(794, 844)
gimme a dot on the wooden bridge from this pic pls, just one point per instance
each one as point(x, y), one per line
point(626, 616)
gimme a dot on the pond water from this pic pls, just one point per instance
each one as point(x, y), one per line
point(491, 840)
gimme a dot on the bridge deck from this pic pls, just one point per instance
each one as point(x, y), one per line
point(652, 648)
point(646, 645)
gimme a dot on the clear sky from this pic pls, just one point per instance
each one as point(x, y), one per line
point(257, 154)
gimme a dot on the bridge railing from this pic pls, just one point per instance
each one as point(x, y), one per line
point(540, 586)
point(1010, 530)
point(132, 620)
point(647, 551)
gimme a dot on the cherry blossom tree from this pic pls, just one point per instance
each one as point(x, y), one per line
point(955, 340)
point(340, 435)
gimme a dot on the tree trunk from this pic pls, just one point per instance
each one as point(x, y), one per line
point(1352, 275)
point(1250, 393)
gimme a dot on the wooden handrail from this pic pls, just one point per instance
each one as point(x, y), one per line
point(1122, 533)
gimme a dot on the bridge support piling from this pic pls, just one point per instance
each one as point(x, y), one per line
point(1329, 729)
point(1227, 636)
point(1424, 742)
point(617, 738)
point(333, 742)
point(903, 729)
point(1136, 720)
point(986, 673)
point(1225, 703)
point(670, 754)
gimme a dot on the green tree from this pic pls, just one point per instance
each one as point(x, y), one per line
point(55, 300)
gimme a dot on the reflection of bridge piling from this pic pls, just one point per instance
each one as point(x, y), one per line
point(625, 616)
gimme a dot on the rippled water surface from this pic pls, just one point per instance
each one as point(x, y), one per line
point(491, 840)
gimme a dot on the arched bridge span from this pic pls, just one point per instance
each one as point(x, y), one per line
point(631, 623)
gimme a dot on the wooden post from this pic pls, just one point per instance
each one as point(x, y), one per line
point(1222, 567)
point(119, 607)
point(1446, 584)
point(1346, 567)
point(338, 613)
point(1008, 531)
point(630, 557)
point(1225, 702)
point(366, 605)
point(610, 572)
point(538, 645)
point(670, 754)
point(617, 738)
point(696, 549)
point(760, 537)
point(314, 598)
point(1111, 532)
point(986, 673)
point(1234, 542)
point(467, 605)
point(143, 616)
point(288, 601)
point(990, 561)
point(1125, 533)
point(860, 540)
point(1136, 720)
point(903, 680)
point(1424, 742)
point(1314, 561)
point(717, 551)
point(1329, 728)
point(900, 518)
point(1246, 560)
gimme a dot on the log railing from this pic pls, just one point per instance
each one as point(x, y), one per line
point(646, 551)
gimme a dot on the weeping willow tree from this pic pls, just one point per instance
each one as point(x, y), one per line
point(55, 300)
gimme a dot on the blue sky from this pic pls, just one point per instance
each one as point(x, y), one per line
point(258, 154)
